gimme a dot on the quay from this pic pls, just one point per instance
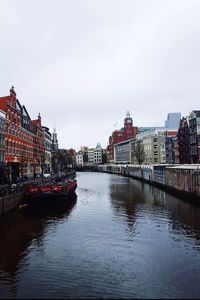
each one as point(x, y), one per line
point(93, 168)
point(180, 180)
point(12, 196)
point(9, 202)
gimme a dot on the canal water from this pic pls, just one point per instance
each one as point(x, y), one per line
point(118, 238)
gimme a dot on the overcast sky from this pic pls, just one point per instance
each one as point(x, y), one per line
point(83, 63)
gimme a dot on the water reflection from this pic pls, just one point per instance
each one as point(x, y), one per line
point(163, 233)
point(125, 198)
point(121, 239)
point(131, 199)
point(183, 215)
point(20, 228)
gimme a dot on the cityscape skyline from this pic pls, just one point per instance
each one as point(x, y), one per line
point(83, 64)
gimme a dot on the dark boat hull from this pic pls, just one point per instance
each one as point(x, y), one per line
point(49, 197)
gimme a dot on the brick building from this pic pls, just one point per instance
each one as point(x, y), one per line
point(126, 133)
point(2, 144)
point(184, 141)
point(170, 139)
point(194, 126)
point(24, 139)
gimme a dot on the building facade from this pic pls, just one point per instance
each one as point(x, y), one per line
point(176, 150)
point(127, 132)
point(2, 145)
point(170, 150)
point(122, 152)
point(90, 157)
point(47, 146)
point(194, 126)
point(79, 160)
point(170, 141)
point(98, 154)
point(82, 160)
point(184, 141)
point(154, 146)
point(24, 139)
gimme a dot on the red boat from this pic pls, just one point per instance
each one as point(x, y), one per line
point(51, 191)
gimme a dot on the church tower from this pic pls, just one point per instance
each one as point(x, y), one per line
point(54, 141)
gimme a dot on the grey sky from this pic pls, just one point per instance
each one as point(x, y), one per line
point(83, 63)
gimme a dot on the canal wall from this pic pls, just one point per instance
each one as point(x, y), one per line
point(87, 169)
point(180, 180)
point(10, 201)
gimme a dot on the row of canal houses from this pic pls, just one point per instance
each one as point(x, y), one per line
point(178, 142)
point(26, 147)
point(90, 156)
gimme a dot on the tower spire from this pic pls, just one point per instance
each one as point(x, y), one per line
point(128, 115)
point(54, 129)
point(12, 92)
point(54, 140)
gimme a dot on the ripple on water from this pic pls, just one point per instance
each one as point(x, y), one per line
point(121, 239)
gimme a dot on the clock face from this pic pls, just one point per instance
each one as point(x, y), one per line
point(129, 121)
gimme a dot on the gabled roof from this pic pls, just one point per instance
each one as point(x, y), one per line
point(19, 107)
point(25, 112)
point(35, 122)
point(5, 98)
point(195, 113)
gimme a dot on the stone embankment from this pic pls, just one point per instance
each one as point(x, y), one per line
point(10, 201)
point(11, 195)
point(181, 180)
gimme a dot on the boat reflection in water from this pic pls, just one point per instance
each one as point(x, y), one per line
point(122, 240)
point(19, 230)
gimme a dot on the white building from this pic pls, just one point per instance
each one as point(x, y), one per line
point(154, 146)
point(94, 155)
point(122, 152)
point(98, 154)
point(90, 156)
point(79, 160)
point(47, 144)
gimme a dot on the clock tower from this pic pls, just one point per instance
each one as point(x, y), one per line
point(129, 131)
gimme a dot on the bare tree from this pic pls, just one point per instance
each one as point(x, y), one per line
point(138, 152)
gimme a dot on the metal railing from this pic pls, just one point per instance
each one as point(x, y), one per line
point(9, 189)
point(13, 188)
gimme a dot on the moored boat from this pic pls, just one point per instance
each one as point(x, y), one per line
point(52, 191)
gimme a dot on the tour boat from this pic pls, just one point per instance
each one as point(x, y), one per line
point(48, 192)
